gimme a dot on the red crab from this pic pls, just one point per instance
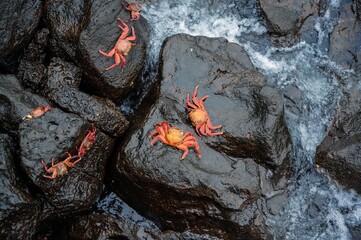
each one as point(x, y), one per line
point(61, 167)
point(87, 142)
point(37, 112)
point(122, 46)
point(174, 137)
point(199, 115)
point(135, 9)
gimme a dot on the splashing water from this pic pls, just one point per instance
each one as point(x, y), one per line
point(303, 66)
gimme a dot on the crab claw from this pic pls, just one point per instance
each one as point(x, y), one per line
point(37, 112)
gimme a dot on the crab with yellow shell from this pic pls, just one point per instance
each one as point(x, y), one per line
point(199, 115)
point(175, 137)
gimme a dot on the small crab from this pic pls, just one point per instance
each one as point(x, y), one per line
point(199, 115)
point(37, 112)
point(174, 137)
point(60, 168)
point(122, 46)
point(87, 142)
point(135, 9)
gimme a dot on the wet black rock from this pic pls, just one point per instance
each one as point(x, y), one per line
point(15, 102)
point(97, 226)
point(345, 47)
point(222, 193)
point(285, 18)
point(31, 69)
point(18, 20)
point(358, 9)
point(339, 152)
point(81, 28)
point(50, 137)
point(18, 210)
point(102, 226)
point(62, 87)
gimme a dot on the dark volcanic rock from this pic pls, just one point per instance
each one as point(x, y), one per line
point(62, 88)
point(345, 47)
point(18, 210)
point(285, 18)
point(102, 226)
point(49, 137)
point(81, 28)
point(221, 193)
point(339, 153)
point(18, 20)
point(15, 102)
point(358, 9)
point(97, 226)
point(32, 70)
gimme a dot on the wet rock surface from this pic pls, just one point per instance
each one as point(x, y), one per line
point(81, 28)
point(107, 227)
point(61, 132)
point(103, 226)
point(32, 70)
point(18, 20)
point(15, 102)
point(220, 193)
point(284, 19)
point(345, 47)
point(339, 152)
point(18, 210)
point(63, 88)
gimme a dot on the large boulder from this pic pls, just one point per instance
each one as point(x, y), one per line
point(358, 9)
point(32, 71)
point(62, 87)
point(223, 192)
point(80, 28)
point(345, 47)
point(285, 18)
point(50, 137)
point(18, 210)
point(18, 20)
point(15, 102)
point(339, 153)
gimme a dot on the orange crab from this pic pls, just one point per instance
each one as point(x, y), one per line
point(61, 167)
point(37, 112)
point(135, 9)
point(122, 46)
point(175, 137)
point(87, 142)
point(199, 115)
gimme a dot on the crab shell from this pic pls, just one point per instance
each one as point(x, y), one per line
point(198, 116)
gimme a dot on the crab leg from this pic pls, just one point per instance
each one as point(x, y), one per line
point(195, 145)
point(190, 105)
point(210, 126)
point(160, 138)
point(44, 165)
point(133, 37)
point(117, 61)
point(194, 97)
point(122, 59)
point(197, 129)
point(109, 54)
point(125, 29)
point(183, 148)
point(50, 177)
point(157, 131)
point(201, 101)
